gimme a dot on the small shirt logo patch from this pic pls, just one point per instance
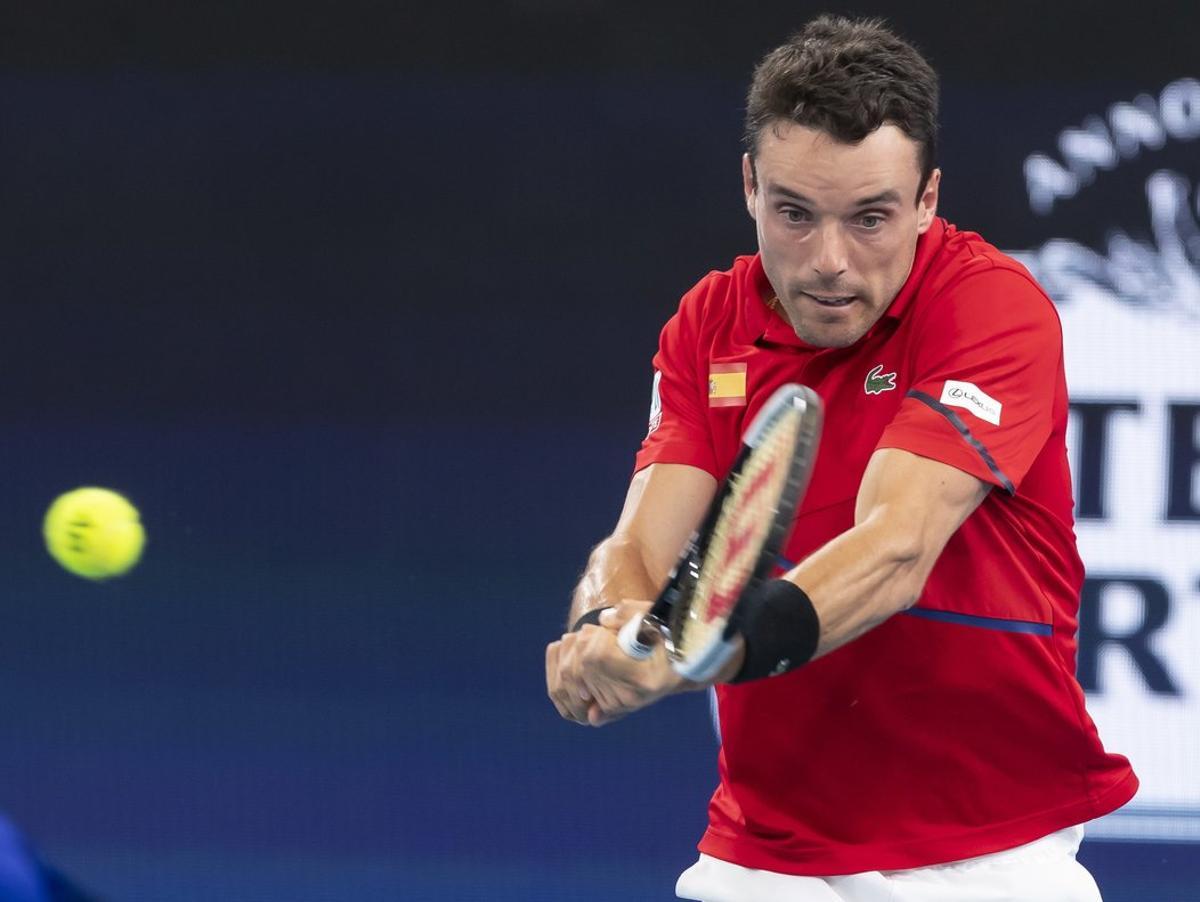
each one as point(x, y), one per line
point(655, 403)
point(878, 381)
point(727, 385)
point(972, 399)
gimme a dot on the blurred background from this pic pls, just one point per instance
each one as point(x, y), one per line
point(357, 302)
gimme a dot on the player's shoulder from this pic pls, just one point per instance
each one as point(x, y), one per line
point(722, 285)
point(972, 275)
point(717, 301)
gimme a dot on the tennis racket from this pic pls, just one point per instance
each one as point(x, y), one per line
point(738, 542)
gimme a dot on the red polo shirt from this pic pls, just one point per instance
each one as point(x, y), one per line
point(956, 728)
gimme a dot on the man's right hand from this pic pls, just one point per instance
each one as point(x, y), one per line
point(588, 677)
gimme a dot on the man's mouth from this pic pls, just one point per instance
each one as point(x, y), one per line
point(830, 300)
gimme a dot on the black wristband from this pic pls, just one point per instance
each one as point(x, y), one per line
point(592, 617)
point(780, 629)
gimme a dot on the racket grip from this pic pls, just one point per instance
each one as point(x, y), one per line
point(637, 637)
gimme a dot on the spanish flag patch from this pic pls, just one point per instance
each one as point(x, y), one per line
point(727, 385)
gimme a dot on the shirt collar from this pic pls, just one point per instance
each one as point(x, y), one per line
point(766, 323)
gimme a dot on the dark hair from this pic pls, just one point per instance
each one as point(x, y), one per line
point(846, 77)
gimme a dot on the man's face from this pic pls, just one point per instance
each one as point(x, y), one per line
point(837, 225)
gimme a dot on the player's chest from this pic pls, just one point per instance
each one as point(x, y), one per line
point(861, 390)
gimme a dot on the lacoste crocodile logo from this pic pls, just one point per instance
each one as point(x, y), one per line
point(878, 381)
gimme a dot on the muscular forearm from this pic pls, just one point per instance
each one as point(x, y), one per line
point(861, 578)
point(616, 570)
point(662, 507)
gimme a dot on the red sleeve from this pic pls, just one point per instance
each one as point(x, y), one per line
point(986, 366)
point(679, 428)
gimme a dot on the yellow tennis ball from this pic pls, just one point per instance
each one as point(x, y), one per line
point(95, 533)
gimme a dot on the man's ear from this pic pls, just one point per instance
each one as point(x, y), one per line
point(749, 183)
point(927, 205)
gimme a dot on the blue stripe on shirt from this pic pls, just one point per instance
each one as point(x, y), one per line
point(987, 623)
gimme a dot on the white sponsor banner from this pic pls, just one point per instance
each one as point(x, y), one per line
point(1142, 566)
point(1131, 322)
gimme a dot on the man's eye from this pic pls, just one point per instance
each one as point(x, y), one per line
point(871, 221)
point(791, 214)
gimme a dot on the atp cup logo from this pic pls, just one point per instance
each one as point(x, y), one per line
point(1129, 302)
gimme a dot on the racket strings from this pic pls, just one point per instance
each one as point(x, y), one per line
point(738, 536)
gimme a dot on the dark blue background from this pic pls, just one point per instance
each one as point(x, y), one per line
point(358, 308)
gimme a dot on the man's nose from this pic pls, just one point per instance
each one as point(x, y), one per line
point(830, 262)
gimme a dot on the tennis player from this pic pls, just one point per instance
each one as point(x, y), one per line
point(926, 738)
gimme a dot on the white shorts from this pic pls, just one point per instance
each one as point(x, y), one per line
point(1044, 870)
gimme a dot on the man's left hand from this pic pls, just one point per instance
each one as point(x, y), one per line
point(589, 665)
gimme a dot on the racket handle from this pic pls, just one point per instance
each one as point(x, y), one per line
point(638, 636)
